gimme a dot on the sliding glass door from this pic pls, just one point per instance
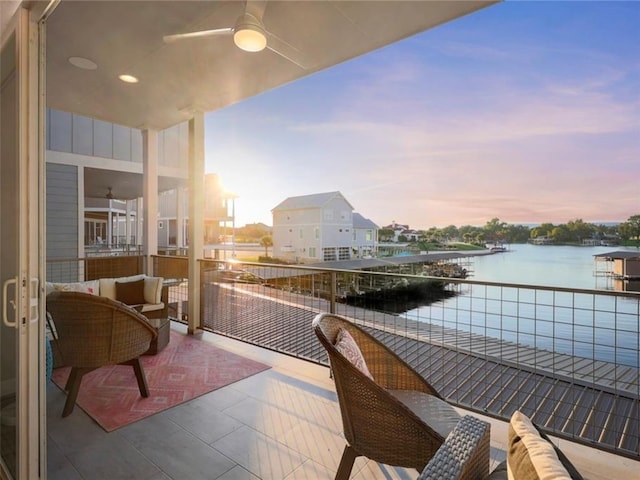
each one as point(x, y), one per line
point(21, 334)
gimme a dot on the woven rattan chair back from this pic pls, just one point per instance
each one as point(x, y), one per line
point(376, 425)
point(92, 332)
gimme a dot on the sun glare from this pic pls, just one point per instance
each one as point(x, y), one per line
point(252, 204)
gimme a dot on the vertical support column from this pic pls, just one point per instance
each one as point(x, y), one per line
point(109, 226)
point(233, 227)
point(117, 229)
point(139, 203)
point(127, 223)
point(80, 173)
point(150, 195)
point(333, 292)
point(196, 216)
point(180, 218)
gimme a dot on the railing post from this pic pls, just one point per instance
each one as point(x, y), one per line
point(334, 287)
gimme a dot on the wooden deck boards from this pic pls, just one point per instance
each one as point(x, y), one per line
point(591, 401)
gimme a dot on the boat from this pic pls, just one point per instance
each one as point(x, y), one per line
point(496, 247)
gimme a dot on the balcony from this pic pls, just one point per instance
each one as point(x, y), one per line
point(574, 370)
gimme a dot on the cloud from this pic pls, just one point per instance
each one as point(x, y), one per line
point(443, 129)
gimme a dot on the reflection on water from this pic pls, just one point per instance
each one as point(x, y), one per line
point(600, 327)
point(550, 265)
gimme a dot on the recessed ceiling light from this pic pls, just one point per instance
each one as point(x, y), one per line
point(83, 63)
point(128, 78)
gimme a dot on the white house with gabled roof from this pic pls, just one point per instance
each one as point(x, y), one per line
point(365, 236)
point(313, 228)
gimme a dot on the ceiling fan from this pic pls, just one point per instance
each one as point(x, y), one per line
point(109, 194)
point(249, 34)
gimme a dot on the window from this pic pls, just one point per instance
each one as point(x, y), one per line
point(312, 252)
point(316, 232)
point(95, 232)
point(328, 254)
point(328, 214)
point(301, 233)
point(369, 235)
point(344, 253)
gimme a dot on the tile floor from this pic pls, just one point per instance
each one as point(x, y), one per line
point(281, 424)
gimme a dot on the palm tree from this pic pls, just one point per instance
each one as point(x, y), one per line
point(266, 242)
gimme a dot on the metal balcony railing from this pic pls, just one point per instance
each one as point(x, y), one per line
point(568, 358)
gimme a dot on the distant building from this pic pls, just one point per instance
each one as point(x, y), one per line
point(94, 177)
point(626, 265)
point(542, 240)
point(320, 228)
point(402, 230)
point(602, 240)
point(173, 218)
point(365, 237)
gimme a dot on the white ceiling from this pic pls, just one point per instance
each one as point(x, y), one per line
point(205, 73)
point(209, 73)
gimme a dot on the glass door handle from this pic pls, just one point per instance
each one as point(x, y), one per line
point(34, 315)
point(5, 290)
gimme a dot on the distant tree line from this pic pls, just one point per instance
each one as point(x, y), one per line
point(495, 230)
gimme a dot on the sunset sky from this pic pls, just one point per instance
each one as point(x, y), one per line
point(525, 111)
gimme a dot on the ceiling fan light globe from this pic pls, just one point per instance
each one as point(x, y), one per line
point(249, 38)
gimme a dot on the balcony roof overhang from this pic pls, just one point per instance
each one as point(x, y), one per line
point(206, 74)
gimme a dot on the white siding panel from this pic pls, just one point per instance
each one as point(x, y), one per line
point(184, 145)
point(136, 145)
point(60, 128)
point(62, 211)
point(102, 139)
point(82, 135)
point(167, 205)
point(121, 143)
point(161, 160)
point(171, 146)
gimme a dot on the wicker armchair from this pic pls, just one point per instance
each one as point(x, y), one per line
point(92, 332)
point(464, 455)
point(396, 418)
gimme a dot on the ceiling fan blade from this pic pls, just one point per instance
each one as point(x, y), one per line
point(202, 33)
point(255, 8)
point(285, 50)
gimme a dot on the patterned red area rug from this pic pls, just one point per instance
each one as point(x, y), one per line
point(187, 368)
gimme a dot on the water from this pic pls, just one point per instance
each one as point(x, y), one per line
point(555, 266)
point(598, 327)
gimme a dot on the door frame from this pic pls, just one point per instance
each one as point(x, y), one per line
point(28, 30)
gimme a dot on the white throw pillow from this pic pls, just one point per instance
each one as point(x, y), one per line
point(91, 286)
point(153, 289)
point(529, 456)
point(108, 288)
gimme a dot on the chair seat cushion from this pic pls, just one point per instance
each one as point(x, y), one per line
point(151, 307)
point(436, 413)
